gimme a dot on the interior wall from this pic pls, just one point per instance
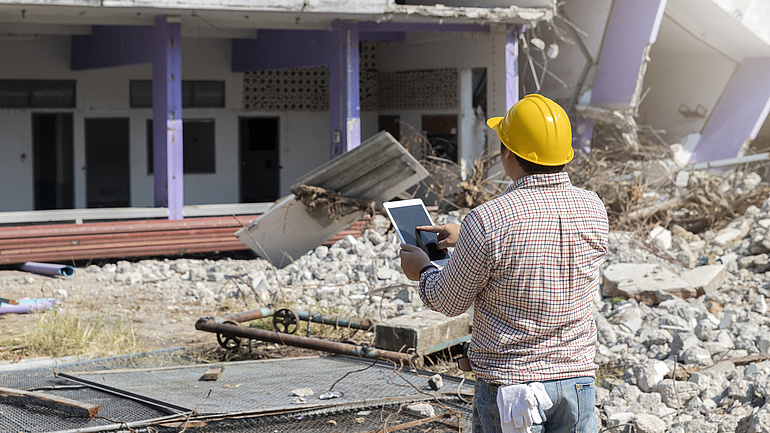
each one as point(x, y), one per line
point(590, 17)
point(677, 80)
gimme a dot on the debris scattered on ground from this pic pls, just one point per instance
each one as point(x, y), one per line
point(435, 382)
point(683, 332)
point(329, 395)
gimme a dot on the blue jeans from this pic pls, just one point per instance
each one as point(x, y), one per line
point(573, 408)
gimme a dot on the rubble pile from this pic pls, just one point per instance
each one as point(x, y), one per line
point(683, 331)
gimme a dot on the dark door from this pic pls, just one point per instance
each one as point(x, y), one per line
point(107, 166)
point(52, 161)
point(259, 159)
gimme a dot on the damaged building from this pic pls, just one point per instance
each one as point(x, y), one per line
point(168, 110)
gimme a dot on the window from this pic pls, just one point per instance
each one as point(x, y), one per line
point(37, 94)
point(198, 146)
point(195, 94)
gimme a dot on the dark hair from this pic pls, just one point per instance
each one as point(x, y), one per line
point(531, 167)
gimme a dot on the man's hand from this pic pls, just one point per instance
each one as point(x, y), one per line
point(447, 234)
point(413, 259)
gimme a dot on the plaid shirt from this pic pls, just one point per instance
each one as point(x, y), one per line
point(529, 260)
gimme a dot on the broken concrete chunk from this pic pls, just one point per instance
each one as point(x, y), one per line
point(212, 373)
point(642, 282)
point(420, 331)
point(733, 233)
point(302, 392)
point(661, 237)
point(423, 409)
point(706, 279)
point(436, 382)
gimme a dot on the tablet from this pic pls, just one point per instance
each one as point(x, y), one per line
point(406, 216)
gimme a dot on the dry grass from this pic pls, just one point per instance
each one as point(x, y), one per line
point(58, 333)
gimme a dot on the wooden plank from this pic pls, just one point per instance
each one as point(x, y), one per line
point(63, 404)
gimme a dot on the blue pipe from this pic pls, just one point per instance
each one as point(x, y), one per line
point(48, 269)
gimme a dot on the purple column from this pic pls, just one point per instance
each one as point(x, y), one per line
point(167, 116)
point(739, 114)
point(511, 68)
point(344, 105)
point(633, 26)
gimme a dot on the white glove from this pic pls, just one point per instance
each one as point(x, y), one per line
point(513, 403)
point(540, 398)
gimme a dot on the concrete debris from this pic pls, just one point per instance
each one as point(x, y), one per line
point(302, 392)
point(435, 382)
point(689, 339)
point(423, 331)
point(423, 409)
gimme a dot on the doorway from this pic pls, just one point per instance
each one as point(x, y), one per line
point(441, 132)
point(260, 167)
point(52, 161)
point(107, 165)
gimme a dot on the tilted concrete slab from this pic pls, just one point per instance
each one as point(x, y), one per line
point(290, 229)
point(706, 279)
point(643, 282)
point(421, 331)
point(378, 170)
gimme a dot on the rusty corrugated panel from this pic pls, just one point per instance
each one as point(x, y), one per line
point(127, 239)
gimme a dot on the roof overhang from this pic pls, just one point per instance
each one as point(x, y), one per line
point(251, 14)
point(713, 28)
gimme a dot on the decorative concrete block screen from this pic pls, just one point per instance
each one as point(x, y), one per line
point(297, 89)
point(428, 89)
point(307, 89)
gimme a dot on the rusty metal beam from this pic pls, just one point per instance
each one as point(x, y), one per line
point(210, 325)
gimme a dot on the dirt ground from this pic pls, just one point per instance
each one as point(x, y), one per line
point(158, 323)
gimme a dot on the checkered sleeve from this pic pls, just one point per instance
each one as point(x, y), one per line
point(452, 290)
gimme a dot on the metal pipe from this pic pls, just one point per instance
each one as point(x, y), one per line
point(210, 325)
point(48, 269)
point(326, 319)
point(248, 315)
point(729, 161)
point(345, 322)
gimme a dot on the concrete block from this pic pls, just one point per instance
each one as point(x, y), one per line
point(733, 233)
point(420, 331)
point(645, 282)
point(706, 279)
point(661, 237)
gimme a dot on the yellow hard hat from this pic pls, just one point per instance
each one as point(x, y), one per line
point(536, 129)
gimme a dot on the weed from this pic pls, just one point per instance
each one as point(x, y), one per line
point(58, 333)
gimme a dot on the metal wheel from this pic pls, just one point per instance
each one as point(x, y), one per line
point(229, 342)
point(285, 321)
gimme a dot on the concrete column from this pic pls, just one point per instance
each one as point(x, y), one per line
point(471, 137)
point(738, 115)
point(632, 28)
point(167, 115)
point(344, 103)
point(511, 66)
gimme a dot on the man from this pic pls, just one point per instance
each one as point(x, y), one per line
point(529, 263)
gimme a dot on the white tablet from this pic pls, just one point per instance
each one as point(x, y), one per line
point(406, 216)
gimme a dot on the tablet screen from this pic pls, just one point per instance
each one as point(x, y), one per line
point(406, 217)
